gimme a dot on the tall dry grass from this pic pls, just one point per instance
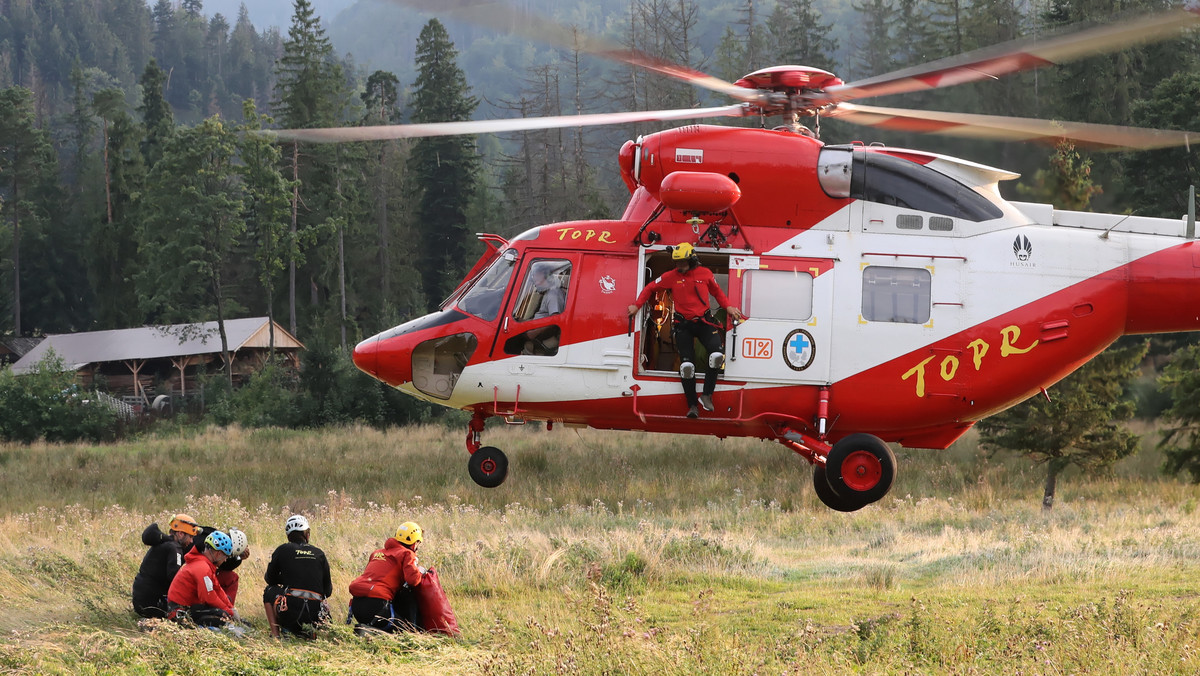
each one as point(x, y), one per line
point(613, 553)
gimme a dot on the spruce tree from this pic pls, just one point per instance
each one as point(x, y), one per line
point(1078, 422)
point(799, 37)
point(443, 168)
point(27, 164)
point(266, 205)
point(310, 92)
point(195, 203)
point(157, 117)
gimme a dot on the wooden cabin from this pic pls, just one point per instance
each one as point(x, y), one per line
point(12, 348)
point(155, 360)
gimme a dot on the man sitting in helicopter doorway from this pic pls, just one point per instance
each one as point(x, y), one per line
point(690, 285)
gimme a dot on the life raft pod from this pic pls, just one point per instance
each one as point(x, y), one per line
point(698, 191)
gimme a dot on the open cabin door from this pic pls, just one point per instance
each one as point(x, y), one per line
point(657, 354)
point(789, 302)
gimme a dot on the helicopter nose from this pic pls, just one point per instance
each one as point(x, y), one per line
point(366, 356)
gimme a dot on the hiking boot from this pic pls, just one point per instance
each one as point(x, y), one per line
point(706, 402)
point(693, 412)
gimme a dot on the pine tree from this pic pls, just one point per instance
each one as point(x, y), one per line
point(309, 93)
point(1159, 179)
point(799, 36)
point(381, 99)
point(195, 203)
point(1077, 423)
point(113, 246)
point(157, 117)
point(1067, 183)
point(267, 210)
point(27, 164)
point(443, 168)
point(875, 48)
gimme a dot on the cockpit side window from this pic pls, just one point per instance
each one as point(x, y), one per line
point(487, 295)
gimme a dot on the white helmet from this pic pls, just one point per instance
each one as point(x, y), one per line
point(294, 523)
point(240, 541)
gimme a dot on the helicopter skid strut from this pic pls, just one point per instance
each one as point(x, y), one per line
point(811, 449)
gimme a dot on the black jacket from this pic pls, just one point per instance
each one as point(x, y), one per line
point(159, 566)
point(300, 566)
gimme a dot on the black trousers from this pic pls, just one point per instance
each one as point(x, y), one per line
point(401, 613)
point(297, 615)
point(151, 608)
point(686, 333)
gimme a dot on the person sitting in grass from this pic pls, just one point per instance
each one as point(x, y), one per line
point(195, 593)
point(227, 576)
point(383, 596)
point(161, 563)
point(298, 583)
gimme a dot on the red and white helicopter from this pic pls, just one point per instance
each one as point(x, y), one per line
point(892, 295)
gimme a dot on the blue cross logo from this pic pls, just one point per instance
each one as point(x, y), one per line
point(799, 344)
point(800, 350)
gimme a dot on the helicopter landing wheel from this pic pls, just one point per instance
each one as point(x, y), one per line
point(831, 499)
point(861, 468)
point(488, 466)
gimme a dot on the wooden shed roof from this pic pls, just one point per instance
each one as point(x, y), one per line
point(156, 342)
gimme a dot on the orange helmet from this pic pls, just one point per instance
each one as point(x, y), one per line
point(184, 524)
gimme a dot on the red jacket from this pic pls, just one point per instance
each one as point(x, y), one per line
point(689, 291)
point(196, 583)
point(387, 569)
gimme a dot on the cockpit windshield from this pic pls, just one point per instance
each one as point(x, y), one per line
point(485, 297)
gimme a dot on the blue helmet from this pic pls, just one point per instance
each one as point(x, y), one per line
point(220, 542)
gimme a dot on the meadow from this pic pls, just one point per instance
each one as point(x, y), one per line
point(613, 553)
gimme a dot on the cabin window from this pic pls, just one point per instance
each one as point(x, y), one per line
point(544, 291)
point(900, 295)
point(884, 179)
point(777, 294)
point(543, 295)
point(484, 298)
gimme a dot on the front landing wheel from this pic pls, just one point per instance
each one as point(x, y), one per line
point(831, 499)
point(860, 468)
point(488, 466)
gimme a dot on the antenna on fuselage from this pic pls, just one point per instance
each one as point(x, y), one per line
point(1191, 224)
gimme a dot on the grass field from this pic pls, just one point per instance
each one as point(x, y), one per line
point(613, 553)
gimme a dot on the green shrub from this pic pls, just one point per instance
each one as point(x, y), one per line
point(45, 403)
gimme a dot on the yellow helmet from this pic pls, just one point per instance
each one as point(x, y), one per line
point(409, 533)
point(184, 524)
point(682, 252)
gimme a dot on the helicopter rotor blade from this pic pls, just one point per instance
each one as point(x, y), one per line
point(999, 127)
point(992, 62)
point(398, 131)
point(516, 21)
